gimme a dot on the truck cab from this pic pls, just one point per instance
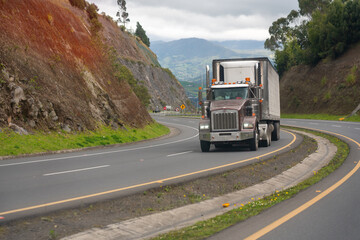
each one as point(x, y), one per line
point(236, 108)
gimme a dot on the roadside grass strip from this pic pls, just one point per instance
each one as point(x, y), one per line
point(211, 226)
point(355, 118)
point(13, 144)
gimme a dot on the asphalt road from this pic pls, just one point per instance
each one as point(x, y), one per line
point(327, 210)
point(35, 185)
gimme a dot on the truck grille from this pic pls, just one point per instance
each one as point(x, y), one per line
point(224, 120)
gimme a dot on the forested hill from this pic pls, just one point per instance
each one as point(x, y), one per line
point(317, 54)
point(320, 29)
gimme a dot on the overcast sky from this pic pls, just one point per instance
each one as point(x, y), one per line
point(209, 19)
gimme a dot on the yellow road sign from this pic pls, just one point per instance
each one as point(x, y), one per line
point(182, 107)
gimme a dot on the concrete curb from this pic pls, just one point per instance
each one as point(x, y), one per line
point(155, 224)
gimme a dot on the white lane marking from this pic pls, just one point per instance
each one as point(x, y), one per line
point(314, 123)
point(357, 128)
point(338, 126)
point(76, 170)
point(109, 152)
point(176, 154)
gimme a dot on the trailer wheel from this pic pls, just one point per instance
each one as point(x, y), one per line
point(254, 142)
point(275, 135)
point(205, 146)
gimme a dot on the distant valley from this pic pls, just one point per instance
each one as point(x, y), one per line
point(187, 58)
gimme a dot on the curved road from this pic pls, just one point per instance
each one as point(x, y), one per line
point(44, 183)
point(327, 210)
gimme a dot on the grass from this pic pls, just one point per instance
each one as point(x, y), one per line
point(211, 226)
point(13, 144)
point(355, 118)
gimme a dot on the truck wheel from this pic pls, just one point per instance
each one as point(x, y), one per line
point(275, 135)
point(254, 142)
point(205, 146)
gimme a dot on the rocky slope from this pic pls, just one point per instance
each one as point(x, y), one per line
point(59, 69)
point(331, 87)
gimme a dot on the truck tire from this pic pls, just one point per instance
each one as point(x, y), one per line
point(205, 146)
point(275, 135)
point(254, 142)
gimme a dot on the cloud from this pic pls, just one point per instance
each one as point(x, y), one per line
point(212, 20)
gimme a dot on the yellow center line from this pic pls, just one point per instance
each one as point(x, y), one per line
point(308, 204)
point(144, 184)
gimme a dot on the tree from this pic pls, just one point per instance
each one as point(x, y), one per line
point(280, 31)
point(140, 32)
point(327, 29)
point(123, 16)
point(307, 7)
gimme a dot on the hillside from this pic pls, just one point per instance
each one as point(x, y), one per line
point(332, 86)
point(62, 68)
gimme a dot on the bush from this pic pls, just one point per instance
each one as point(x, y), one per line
point(323, 81)
point(92, 11)
point(327, 96)
point(95, 25)
point(78, 3)
point(351, 78)
point(143, 94)
point(124, 74)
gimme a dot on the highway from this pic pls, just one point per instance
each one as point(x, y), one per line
point(40, 184)
point(327, 210)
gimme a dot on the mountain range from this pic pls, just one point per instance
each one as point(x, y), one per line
point(187, 58)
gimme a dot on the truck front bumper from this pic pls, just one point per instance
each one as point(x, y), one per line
point(235, 136)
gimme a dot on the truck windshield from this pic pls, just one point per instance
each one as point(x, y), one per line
point(229, 93)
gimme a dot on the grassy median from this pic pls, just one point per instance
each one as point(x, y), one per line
point(13, 144)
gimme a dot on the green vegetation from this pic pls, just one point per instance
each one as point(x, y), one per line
point(327, 96)
point(14, 144)
point(78, 3)
point(92, 9)
point(140, 32)
point(123, 73)
point(170, 73)
point(323, 81)
point(95, 25)
point(351, 78)
point(209, 227)
point(149, 54)
point(355, 118)
point(329, 28)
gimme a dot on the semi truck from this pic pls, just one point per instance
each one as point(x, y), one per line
point(242, 104)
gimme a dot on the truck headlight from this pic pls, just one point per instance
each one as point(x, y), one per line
point(248, 126)
point(204, 126)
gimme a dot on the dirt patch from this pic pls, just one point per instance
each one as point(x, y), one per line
point(67, 222)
